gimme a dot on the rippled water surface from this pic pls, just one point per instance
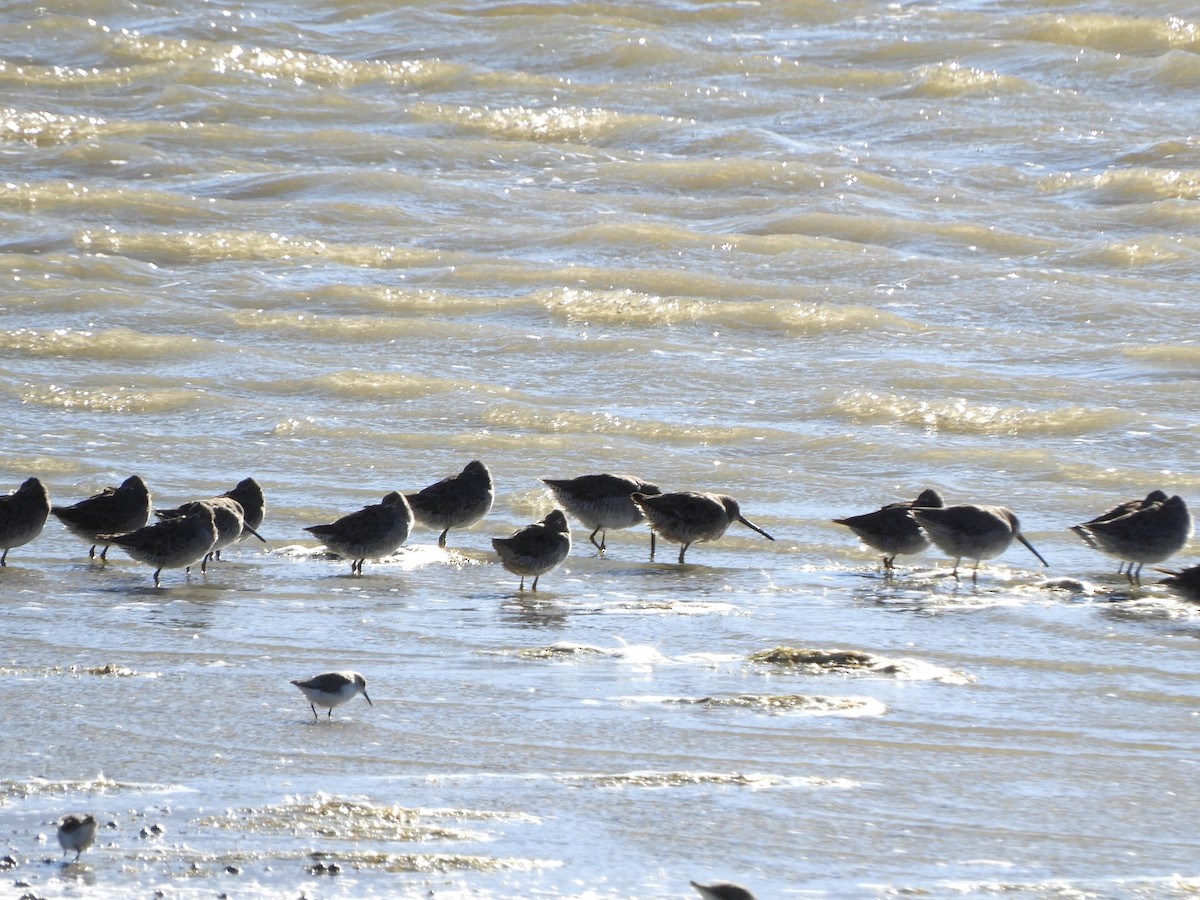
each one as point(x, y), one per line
point(815, 255)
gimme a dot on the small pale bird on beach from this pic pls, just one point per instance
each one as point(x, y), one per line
point(685, 517)
point(1149, 534)
point(76, 832)
point(115, 510)
point(22, 516)
point(722, 890)
point(332, 689)
point(972, 532)
point(536, 549)
point(602, 502)
point(177, 543)
point(455, 502)
point(1124, 509)
point(892, 530)
point(370, 533)
point(230, 519)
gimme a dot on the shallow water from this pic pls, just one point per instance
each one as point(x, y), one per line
point(816, 255)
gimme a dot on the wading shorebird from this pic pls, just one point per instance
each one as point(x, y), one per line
point(76, 832)
point(685, 517)
point(455, 502)
point(332, 689)
point(22, 516)
point(1149, 534)
point(972, 532)
point(115, 510)
point(1123, 509)
point(891, 529)
point(230, 519)
point(370, 533)
point(602, 502)
point(535, 549)
point(171, 543)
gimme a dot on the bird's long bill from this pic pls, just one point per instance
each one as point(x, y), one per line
point(1021, 538)
point(369, 703)
point(253, 532)
point(754, 527)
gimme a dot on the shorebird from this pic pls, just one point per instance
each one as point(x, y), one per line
point(688, 516)
point(372, 532)
point(1184, 582)
point(22, 515)
point(118, 510)
point(455, 502)
point(171, 543)
point(536, 549)
point(602, 502)
point(972, 532)
point(891, 529)
point(332, 689)
point(249, 494)
point(1123, 509)
point(722, 890)
point(76, 832)
point(230, 519)
point(1150, 534)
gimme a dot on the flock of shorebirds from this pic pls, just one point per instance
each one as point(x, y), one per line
point(1136, 532)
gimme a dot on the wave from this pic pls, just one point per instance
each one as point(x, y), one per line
point(959, 416)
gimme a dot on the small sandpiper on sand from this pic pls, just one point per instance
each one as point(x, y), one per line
point(22, 516)
point(171, 543)
point(115, 510)
point(76, 832)
point(1150, 534)
point(332, 689)
point(455, 502)
point(972, 532)
point(371, 533)
point(602, 502)
point(689, 516)
point(891, 529)
point(536, 549)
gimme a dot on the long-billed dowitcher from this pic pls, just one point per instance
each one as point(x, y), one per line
point(972, 532)
point(602, 502)
point(249, 494)
point(115, 510)
point(370, 533)
point(536, 549)
point(722, 890)
point(689, 516)
point(76, 832)
point(332, 689)
point(22, 515)
point(1184, 582)
point(455, 502)
point(230, 519)
point(891, 529)
point(1124, 509)
point(171, 543)
point(1150, 534)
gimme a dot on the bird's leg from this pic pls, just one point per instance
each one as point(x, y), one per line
point(157, 572)
point(522, 587)
point(313, 707)
point(592, 538)
point(652, 546)
point(535, 578)
point(683, 550)
point(442, 537)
